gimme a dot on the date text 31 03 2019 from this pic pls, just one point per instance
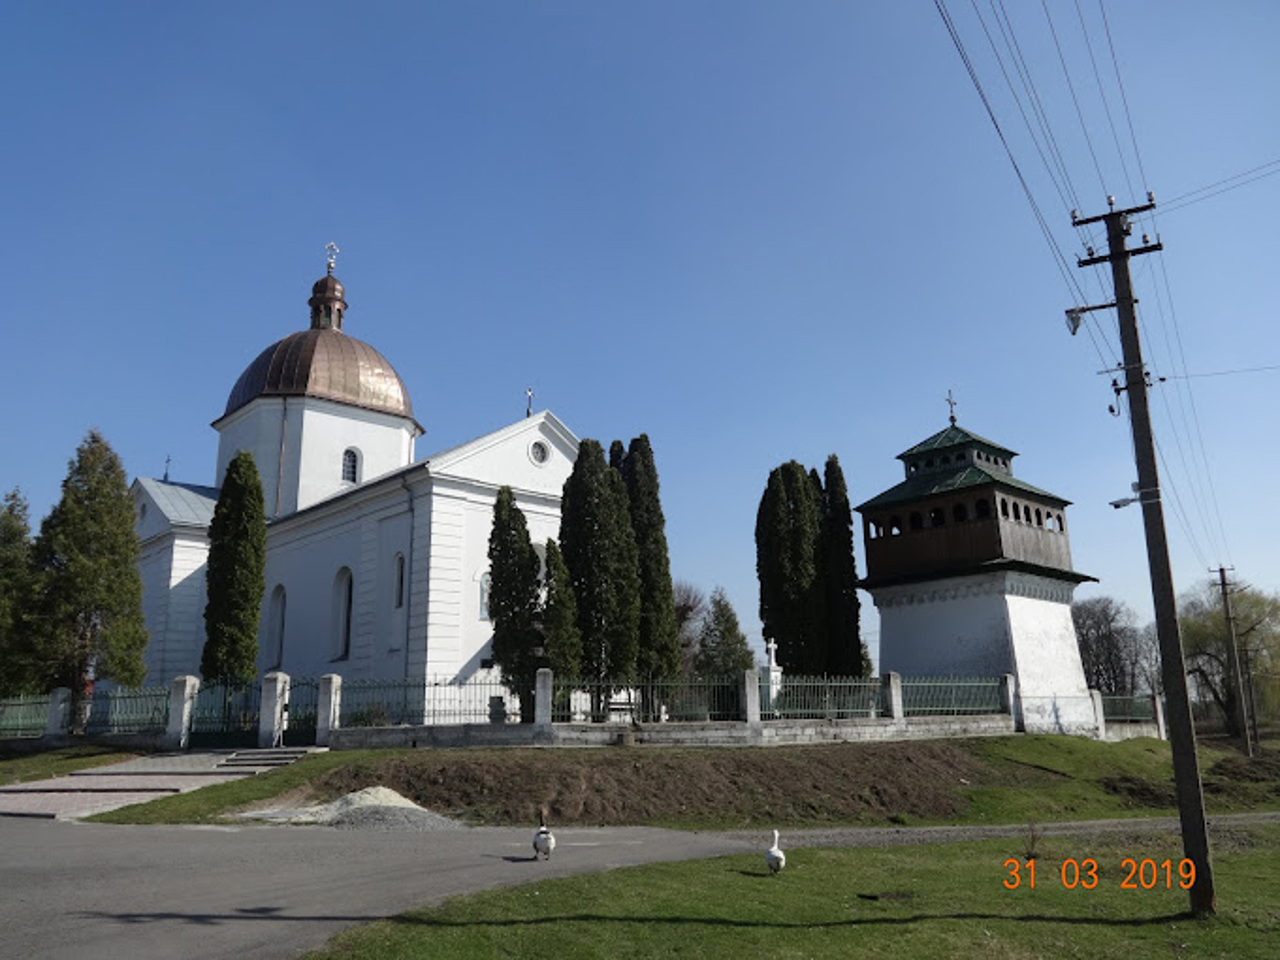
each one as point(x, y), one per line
point(1145, 874)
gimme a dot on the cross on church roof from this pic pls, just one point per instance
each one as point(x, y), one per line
point(331, 254)
point(951, 402)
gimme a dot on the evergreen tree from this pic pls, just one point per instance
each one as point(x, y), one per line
point(722, 646)
point(599, 551)
point(659, 642)
point(786, 536)
point(89, 591)
point(16, 582)
point(561, 638)
point(513, 600)
point(846, 655)
point(235, 575)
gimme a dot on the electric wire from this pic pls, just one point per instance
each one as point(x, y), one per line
point(1074, 99)
point(1102, 95)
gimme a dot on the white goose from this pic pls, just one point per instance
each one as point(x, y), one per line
point(774, 858)
point(543, 840)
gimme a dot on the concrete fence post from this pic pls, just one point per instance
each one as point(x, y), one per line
point(1157, 704)
point(1099, 718)
point(328, 707)
point(56, 720)
point(891, 697)
point(1009, 701)
point(749, 697)
point(543, 694)
point(273, 715)
point(182, 699)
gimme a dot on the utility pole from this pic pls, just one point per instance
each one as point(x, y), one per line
point(1234, 653)
point(1182, 736)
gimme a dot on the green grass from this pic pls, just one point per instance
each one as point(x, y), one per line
point(24, 767)
point(907, 902)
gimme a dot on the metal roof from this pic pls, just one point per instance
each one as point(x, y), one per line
point(928, 484)
point(953, 436)
point(188, 504)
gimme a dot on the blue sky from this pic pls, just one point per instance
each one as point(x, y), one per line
point(755, 231)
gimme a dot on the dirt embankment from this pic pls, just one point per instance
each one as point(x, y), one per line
point(833, 783)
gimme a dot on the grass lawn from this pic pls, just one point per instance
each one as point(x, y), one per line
point(24, 767)
point(904, 902)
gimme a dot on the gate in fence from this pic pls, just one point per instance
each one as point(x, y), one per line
point(303, 706)
point(117, 710)
point(226, 715)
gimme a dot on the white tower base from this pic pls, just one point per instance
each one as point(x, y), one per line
point(989, 624)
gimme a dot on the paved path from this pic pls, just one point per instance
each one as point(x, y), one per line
point(99, 789)
point(71, 890)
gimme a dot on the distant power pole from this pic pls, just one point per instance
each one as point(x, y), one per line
point(1233, 652)
point(1182, 736)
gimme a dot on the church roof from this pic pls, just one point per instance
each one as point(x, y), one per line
point(970, 475)
point(324, 362)
point(183, 504)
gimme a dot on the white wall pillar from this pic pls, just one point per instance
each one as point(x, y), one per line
point(891, 696)
point(543, 691)
point(1099, 718)
point(750, 697)
point(182, 698)
point(272, 715)
point(328, 707)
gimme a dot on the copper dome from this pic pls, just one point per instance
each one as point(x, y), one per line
point(324, 362)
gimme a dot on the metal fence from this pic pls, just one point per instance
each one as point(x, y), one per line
point(950, 696)
point(819, 698)
point(676, 700)
point(226, 715)
point(23, 716)
point(117, 710)
point(1128, 709)
point(384, 703)
point(303, 708)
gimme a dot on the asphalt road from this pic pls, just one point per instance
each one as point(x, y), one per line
point(76, 890)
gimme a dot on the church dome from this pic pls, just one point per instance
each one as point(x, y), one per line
point(324, 362)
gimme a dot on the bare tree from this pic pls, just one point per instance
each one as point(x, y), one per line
point(691, 607)
point(1109, 639)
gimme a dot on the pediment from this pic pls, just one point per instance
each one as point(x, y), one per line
point(535, 454)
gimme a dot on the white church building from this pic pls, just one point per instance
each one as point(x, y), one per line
point(377, 562)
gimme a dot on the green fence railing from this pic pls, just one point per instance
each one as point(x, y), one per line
point(118, 710)
point(1121, 709)
point(24, 716)
point(950, 696)
point(689, 699)
point(819, 698)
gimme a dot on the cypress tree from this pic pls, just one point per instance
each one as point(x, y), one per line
point(659, 642)
point(513, 599)
point(722, 646)
point(235, 575)
point(600, 553)
point(561, 637)
point(16, 583)
point(89, 591)
point(786, 536)
point(839, 578)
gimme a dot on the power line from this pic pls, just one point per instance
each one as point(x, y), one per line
point(1220, 373)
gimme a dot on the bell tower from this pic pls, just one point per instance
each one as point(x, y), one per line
point(970, 570)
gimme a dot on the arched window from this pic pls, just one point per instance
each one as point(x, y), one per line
point(937, 517)
point(350, 465)
point(1062, 524)
point(275, 628)
point(486, 581)
point(343, 608)
point(1017, 513)
point(915, 521)
point(895, 525)
point(959, 513)
point(399, 580)
point(982, 509)
point(1039, 519)
point(1004, 508)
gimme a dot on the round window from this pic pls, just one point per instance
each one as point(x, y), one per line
point(539, 452)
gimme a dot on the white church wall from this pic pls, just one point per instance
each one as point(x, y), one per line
point(257, 429)
point(173, 601)
point(382, 442)
point(154, 562)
